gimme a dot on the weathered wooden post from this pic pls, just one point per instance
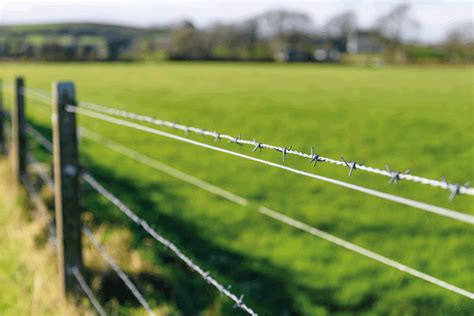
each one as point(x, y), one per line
point(3, 141)
point(19, 143)
point(66, 182)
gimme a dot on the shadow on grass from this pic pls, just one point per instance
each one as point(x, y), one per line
point(269, 290)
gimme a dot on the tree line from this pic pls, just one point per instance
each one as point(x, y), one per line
point(278, 35)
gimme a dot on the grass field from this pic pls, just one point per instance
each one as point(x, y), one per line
point(413, 118)
point(26, 262)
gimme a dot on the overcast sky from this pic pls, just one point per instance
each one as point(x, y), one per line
point(435, 16)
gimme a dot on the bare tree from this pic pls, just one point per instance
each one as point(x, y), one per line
point(394, 27)
point(187, 42)
point(342, 25)
point(279, 22)
point(459, 43)
point(285, 30)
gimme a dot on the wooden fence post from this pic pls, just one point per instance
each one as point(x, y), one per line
point(3, 141)
point(66, 182)
point(19, 142)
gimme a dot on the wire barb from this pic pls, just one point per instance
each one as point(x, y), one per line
point(282, 218)
point(187, 129)
point(101, 250)
point(284, 151)
point(165, 242)
point(236, 140)
point(258, 146)
point(314, 158)
point(397, 199)
point(395, 175)
point(352, 165)
point(454, 188)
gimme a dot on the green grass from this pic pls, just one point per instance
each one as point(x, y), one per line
point(414, 118)
point(27, 273)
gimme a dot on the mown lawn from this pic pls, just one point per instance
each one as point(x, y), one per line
point(413, 118)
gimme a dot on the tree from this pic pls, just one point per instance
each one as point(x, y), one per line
point(342, 25)
point(187, 42)
point(394, 27)
point(285, 31)
point(459, 43)
point(279, 22)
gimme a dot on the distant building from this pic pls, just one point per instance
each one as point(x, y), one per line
point(364, 42)
point(292, 55)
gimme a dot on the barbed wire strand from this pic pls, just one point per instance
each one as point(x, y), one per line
point(39, 138)
point(41, 172)
point(100, 248)
point(182, 176)
point(88, 291)
point(165, 242)
point(285, 150)
point(49, 182)
point(285, 219)
point(162, 167)
point(42, 209)
point(394, 176)
point(44, 98)
point(462, 217)
point(367, 253)
point(292, 222)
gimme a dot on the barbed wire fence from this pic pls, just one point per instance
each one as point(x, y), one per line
point(110, 115)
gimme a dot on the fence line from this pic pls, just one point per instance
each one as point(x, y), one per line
point(367, 253)
point(42, 140)
point(88, 291)
point(99, 112)
point(394, 175)
point(282, 218)
point(100, 248)
point(39, 170)
point(163, 167)
point(268, 212)
point(195, 181)
point(462, 217)
point(165, 242)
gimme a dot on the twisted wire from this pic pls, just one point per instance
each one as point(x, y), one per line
point(168, 244)
point(153, 163)
point(88, 291)
point(284, 150)
point(39, 138)
point(367, 253)
point(462, 217)
point(162, 167)
point(43, 174)
point(100, 248)
point(39, 95)
point(313, 157)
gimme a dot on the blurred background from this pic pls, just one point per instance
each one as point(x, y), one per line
point(370, 32)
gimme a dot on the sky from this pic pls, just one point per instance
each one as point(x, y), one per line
point(434, 16)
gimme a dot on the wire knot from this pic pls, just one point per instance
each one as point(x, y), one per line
point(239, 301)
point(352, 165)
point(395, 175)
point(314, 158)
point(236, 140)
point(258, 146)
point(284, 151)
point(454, 188)
point(218, 137)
